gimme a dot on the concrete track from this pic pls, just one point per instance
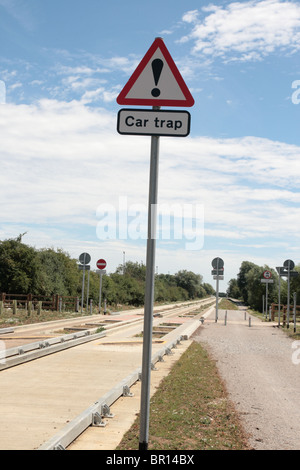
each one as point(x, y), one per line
point(41, 397)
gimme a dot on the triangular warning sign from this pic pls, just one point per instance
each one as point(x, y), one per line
point(156, 81)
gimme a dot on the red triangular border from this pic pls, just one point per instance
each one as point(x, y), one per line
point(189, 100)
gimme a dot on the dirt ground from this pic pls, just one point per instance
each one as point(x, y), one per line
point(261, 369)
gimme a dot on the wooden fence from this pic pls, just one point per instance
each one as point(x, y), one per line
point(283, 311)
point(55, 302)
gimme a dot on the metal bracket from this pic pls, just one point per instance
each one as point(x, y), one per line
point(105, 411)
point(126, 391)
point(153, 366)
point(59, 447)
point(97, 420)
point(169, 352)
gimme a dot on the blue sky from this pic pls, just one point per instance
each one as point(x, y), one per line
point(71, 181)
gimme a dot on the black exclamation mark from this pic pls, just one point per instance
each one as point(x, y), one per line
point(157, 66)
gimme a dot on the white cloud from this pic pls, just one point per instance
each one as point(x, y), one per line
point(2, 92)
point(190, 16)
point(246, 30)
point(61, 160)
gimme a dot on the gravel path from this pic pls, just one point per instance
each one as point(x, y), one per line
point(260, 368)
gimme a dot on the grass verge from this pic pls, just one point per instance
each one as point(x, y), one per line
point(226, 304)
point(191, 410)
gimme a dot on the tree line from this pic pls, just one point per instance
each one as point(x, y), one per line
point(249, 288)
point(45, 272)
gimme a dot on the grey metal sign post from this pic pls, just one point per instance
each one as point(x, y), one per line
point(295, 306)
point(84, 259)
point(87, 292)
point(100, 290)
point(280, 270)
point(149, 294)
point(287, 271)
point(289, 265)
point(101, 264)
point(217, 299)
point(217, 272)
point(101, 273)
point(267, 293)
point(279, 299)
point(156, 82)
point(267, 275)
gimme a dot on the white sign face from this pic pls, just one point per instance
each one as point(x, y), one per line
point(145, 84)
point(101, 271)
point(267, 281)
point(154, 122)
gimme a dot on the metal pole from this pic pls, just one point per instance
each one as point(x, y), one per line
point(279, 306)
point(149, 294)
point(82, 290)
point(295, 295)
point(217, 290)
point(100, 291)
point(87, 294)
point(217, 298)
point(288, 298)
point(266, 300)
point(263, 304)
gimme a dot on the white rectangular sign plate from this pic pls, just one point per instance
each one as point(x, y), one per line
point(101, 271)
point(154, 122)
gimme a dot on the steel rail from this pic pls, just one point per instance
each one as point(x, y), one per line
point(28, 352)
point(93, 416)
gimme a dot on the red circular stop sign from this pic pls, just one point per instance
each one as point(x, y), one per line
point(101, 264)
